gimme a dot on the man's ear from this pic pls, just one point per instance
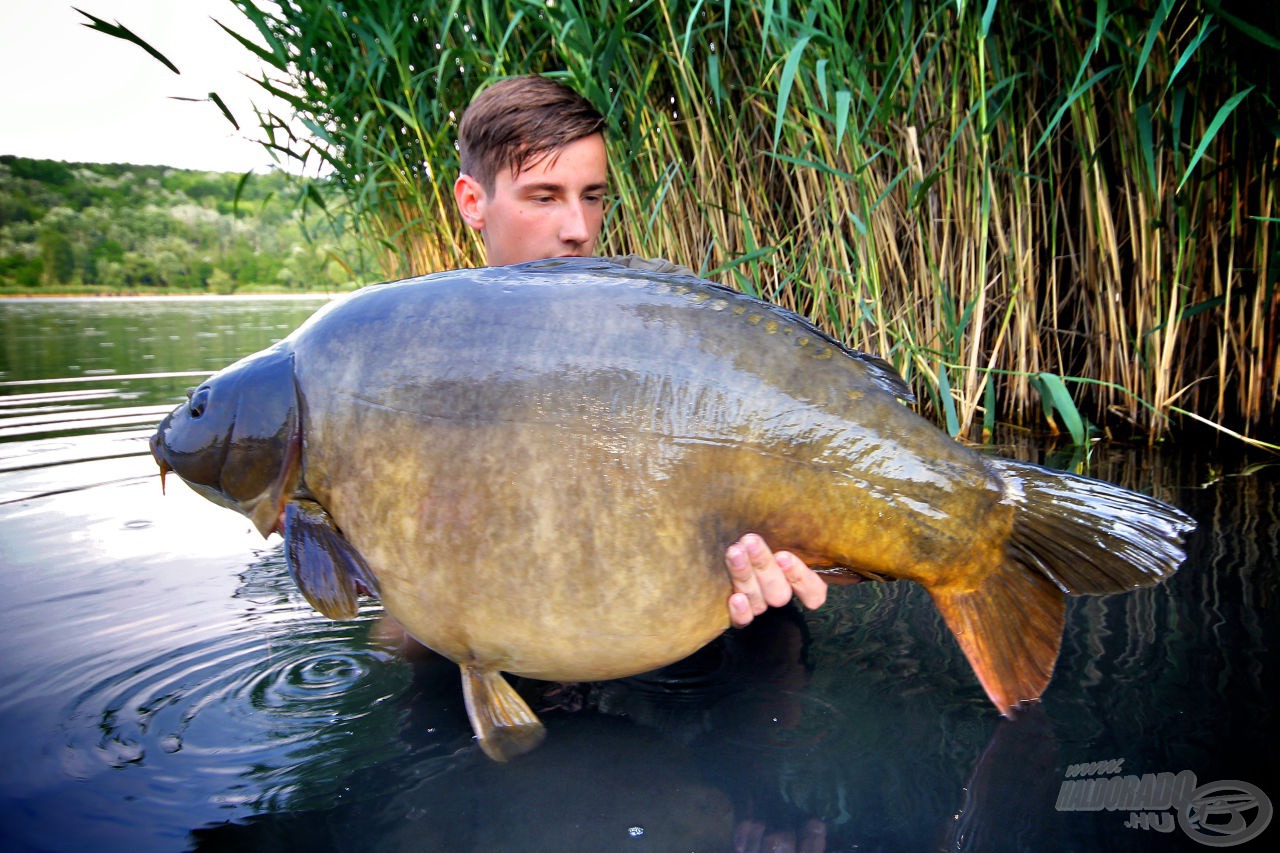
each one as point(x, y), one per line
point(471, 198)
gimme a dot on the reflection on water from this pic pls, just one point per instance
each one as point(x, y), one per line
point(67, 339)
point(167, 688)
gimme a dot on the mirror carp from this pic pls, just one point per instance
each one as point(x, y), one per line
point(538, 468)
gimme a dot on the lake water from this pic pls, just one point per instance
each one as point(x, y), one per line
point(166, 688)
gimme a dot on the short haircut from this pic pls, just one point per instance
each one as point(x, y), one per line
point(519, 120)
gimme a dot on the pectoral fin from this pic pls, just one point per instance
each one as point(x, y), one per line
point(502, 721)
point(327, 569)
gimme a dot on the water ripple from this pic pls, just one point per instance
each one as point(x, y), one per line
point(247, 698)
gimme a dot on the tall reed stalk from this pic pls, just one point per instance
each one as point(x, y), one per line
point(1035, 210)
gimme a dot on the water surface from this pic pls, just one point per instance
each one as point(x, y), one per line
point(167, 688)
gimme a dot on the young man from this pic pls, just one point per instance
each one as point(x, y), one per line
point(533, 184)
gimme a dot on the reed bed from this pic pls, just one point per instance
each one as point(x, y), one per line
point(1041, 213)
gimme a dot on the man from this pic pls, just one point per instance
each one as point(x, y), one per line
point(533, 183)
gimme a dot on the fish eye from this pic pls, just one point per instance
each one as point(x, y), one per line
point(197, 403)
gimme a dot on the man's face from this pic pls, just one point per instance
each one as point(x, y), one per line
point(553, 208)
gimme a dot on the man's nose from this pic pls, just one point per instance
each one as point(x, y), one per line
point(573, 228)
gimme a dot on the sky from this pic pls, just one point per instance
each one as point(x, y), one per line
point(69, 93)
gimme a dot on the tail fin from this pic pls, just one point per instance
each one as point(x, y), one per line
point(1009, 627)
point(1088, 536)
point(1071, 536)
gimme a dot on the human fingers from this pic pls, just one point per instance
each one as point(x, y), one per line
point(747, 836)
point(774, 587)
point(740, 613)
point(807, 585)
point(747, 600)
point(813, 837)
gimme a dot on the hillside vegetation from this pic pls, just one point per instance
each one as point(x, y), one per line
point(115, 228)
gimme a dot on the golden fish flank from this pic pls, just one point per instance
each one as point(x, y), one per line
point(500, 454)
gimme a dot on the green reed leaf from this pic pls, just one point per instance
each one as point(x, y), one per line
point(1212, 130)
point(1074, 95)
point(844, 100)
point(1153, 32)
point(221, 105)
point(989, 407)
point(789, 70)
point(987, 15)
point(116, 30)
point(1271, 40)
point(948, 402)
point(1190, 50)
point(1054, 391)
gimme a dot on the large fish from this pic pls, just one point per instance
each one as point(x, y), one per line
point(538, 469)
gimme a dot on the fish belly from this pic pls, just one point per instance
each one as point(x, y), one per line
point(534, 550)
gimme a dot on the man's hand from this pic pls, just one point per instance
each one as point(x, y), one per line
point(762, 579)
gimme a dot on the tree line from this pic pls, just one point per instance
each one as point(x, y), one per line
point(69, 227)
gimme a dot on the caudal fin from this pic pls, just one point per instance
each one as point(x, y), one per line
point(1088, 536)
point(1009, 627)
point(1071, 536)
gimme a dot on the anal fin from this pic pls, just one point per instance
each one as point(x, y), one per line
point(502, 721)
point(1009, 627)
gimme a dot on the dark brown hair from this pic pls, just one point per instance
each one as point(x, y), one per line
point(519, 120)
